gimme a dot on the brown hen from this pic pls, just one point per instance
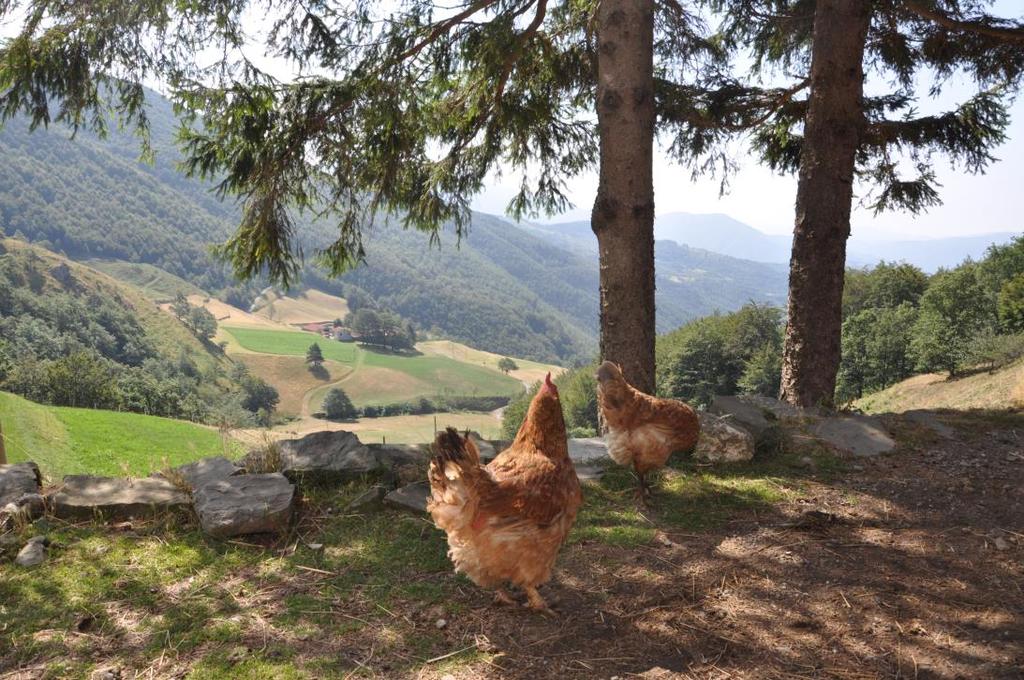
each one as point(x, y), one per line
point(506, 521)
point(643, 431)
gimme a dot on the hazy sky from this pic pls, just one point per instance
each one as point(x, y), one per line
point(972, 204)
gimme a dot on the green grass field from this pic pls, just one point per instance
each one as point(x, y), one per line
point(381, 377)
point(84, 441)
point(290, 343)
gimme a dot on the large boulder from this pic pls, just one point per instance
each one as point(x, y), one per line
point(488, 451)
point(85, 496)
point(588, 450)
point(757, 414)
point(743, 411)
point(245, 504)
point(18, 479)
point(27, 506)
point(723, 440)
point(328, 455)
point(855, 434)
point(395, 456)
point(198, 474)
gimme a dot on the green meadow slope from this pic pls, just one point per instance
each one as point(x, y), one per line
point(65, 441)
point(50, 273)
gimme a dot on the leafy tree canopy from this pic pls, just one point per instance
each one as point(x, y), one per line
point(934, 38)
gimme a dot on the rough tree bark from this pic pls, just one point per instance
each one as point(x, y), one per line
point(623, 214)
point(832, 132)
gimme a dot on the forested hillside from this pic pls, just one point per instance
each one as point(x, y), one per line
point(691, 282)
point(505, 289)
point(72, 336)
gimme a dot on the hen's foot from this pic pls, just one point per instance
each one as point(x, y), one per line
point(645, 492)
point(537, 603)
point(501, 597)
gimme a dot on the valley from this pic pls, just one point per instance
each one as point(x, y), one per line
point(275, 351)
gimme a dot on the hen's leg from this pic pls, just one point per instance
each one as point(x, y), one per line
point(501, 596)
point(536, 602)
point(644, 492)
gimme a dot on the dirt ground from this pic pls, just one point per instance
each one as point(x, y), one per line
point(910, 567)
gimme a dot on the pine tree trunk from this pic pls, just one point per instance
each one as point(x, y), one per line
point(832, 132)
point(623, 214)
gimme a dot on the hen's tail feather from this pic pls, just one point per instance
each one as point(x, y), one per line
point(454, 474)
point(449, 445)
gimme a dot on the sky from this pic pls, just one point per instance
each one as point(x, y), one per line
point(972, 204)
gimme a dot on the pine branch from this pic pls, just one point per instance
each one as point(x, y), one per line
point(442, 27)
point(981, 26)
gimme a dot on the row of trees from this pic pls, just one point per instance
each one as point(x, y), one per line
point(897, 321)
point(465, 90)
point(197, 319)
point(381, 328)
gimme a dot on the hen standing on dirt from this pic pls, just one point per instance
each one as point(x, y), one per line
point(506, 521)
point(643, 431)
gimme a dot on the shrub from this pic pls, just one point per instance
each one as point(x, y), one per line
point(993, 351)
point(337, 405)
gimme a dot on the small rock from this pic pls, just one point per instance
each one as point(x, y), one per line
point(32, 554)
point(9, 540)
point(106, 674)
point(315, 546)
point(806, 461)
point(1000, 543)
point(369, 499)
point(412, 497)
point(40, 539)
point(440, 624)
point(447, 676)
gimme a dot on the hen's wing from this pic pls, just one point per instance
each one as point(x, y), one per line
point(527, 488)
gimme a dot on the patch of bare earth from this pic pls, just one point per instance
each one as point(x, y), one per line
point(913, 567)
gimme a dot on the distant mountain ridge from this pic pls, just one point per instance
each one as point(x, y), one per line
point(725, 235)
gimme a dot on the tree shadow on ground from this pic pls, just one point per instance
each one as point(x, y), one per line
point(732, 573)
